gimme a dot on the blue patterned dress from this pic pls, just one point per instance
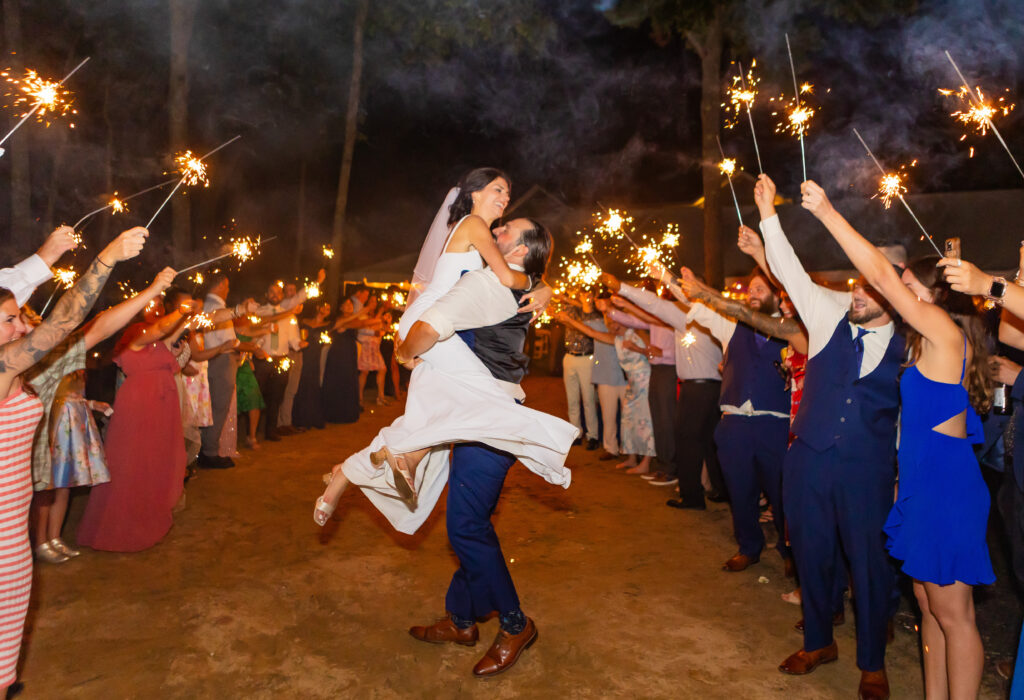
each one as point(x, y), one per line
point(637, 429)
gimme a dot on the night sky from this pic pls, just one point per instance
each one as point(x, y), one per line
point(552, 92)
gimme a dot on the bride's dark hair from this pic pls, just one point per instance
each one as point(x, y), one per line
point(473, 181)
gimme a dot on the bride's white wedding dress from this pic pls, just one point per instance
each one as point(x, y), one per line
point(453, 397)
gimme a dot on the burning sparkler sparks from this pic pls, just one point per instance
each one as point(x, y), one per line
point(117, 206)
point(244, 248)
point(328, 252)
point(897, 194)
point(398, 300)
point(890, 187)
point(325, 338)
point(980, 113)
point(283, 365)
point(728, 167)
point(742, 94)
point(312, 290)
point(193, 170)
point(671, 237)
point(65, 276)
point(799, 115)
point(202, 321)
point(39, 96)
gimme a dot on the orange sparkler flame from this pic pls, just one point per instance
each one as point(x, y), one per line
point(741, 93)
point(33, 91)
point(325, 338)
point(312, 290)
point(193, 170)
point(728, 166)
point(64, 276)
point(890, 187)
point(974, 110)
point(245, 248)
point(585, 246)
point(203, 321)
point(328, 252)
point(117, 206)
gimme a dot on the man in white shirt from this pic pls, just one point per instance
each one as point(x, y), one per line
point(291, 336)
point(22, 279)
point(839, 474)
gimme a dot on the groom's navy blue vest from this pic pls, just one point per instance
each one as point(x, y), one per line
point(749, 372)
point(500, 347)
point(840, 408)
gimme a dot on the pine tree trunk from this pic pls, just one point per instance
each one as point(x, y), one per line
point(336, 268)
point(710, 124)
point(21, 227)
point(300, 224)
point(183, 13)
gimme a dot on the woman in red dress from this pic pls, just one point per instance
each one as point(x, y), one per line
point(145, 445)
point(19, 415)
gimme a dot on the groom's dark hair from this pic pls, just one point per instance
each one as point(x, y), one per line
point(539, 243)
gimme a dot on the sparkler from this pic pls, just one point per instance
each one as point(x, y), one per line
point(202, 321)
point(615, 225)
point(284, 364)
point(891, 187)
point(742, 94)
point(192, 170)
point(63, 277)
point(46, 95)
point(244, 248)
point(587, 246)
point(728, 167)
point(325, 338)
point(328, 252)
point(118, 205)
point(897, 194)
point(980, 113)
point(799, 115)
point(312, 290)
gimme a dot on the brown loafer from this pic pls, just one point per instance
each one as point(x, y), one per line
point(874, 685)
point(443, 631)
point(505, 651)
point(837, 619)
point(739, 562)
point(803, 662)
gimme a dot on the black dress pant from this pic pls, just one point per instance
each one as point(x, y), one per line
point(272, 385)
point(697, 416)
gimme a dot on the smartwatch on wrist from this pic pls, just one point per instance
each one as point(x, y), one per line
point(998, 289)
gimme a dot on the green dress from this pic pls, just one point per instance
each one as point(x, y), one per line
point(249, 396)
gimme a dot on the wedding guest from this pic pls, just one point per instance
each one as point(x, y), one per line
point(698, 356)
point(839, 473)
point(753, 433)
point(308, 410)
point(68, 450)
point(610, 381)
point(145, 445)
point(249, 398)
point(291, 335)
point(341, 374)
point(370, 357)
point(637, 431)
point(578, 369)
point(20, 411)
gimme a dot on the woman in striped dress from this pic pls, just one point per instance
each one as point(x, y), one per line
point(20, 411)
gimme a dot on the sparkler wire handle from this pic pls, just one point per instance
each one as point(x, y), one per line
point(33, 110)
point(750, 118)
point(226, 143)
point(47, 304)
point(903, 201)
point(974, 102)
point(123, 199)
point(164, 203)
point(796, 96)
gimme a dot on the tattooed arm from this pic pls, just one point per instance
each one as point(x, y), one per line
point(779, 327)
point(17, 356)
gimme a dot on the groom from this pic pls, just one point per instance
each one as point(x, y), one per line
point(482, 584)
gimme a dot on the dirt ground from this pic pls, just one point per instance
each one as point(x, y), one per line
point(247, 598)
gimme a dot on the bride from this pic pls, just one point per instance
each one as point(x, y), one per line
point(452, 396)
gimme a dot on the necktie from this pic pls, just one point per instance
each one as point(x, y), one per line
point(858, 346)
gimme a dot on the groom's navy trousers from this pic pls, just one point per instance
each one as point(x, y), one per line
point(482, 583)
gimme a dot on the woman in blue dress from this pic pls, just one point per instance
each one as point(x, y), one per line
point(937, 525)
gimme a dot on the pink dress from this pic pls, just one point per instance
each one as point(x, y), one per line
point(145, 454)
point(19, 416)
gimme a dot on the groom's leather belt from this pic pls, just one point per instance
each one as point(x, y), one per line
point(701, 381)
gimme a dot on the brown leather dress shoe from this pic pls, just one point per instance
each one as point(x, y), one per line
point(837, 619)
point(874, 685)
point(505, 651)
point(803, 662)
point(739, 562)
point(443, 631)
